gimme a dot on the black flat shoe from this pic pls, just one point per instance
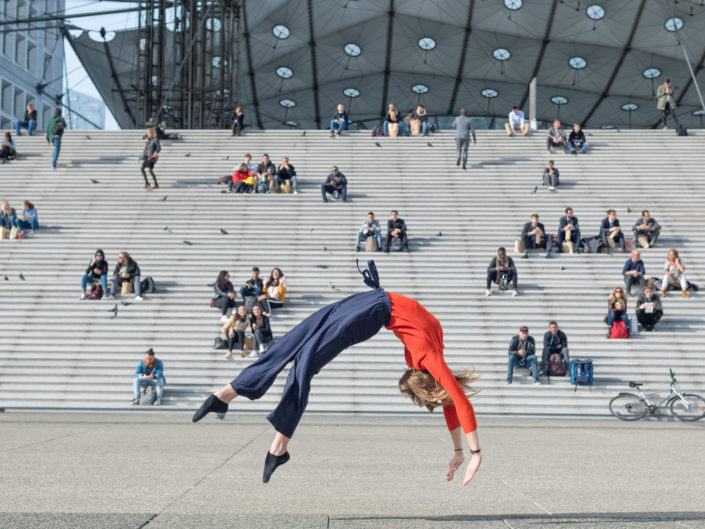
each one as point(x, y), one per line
point(211, 404)
point(271, 462)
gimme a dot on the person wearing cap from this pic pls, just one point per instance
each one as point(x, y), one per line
point(516, 122)
point(97, 270)
point(502, 271)
point(522, 353)
point(253, 286)
point(149, 372)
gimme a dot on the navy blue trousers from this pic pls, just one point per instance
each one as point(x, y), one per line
point(312, 344)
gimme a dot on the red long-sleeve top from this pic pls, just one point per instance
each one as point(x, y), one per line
point(422, 336)
point(239, 176)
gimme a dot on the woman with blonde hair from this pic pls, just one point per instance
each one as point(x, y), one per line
point(322, 336)
point(234, 331)
point(617, 309)
point(392, 122)
point(673, 274)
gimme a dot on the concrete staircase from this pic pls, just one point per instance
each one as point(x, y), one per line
point(57, 352)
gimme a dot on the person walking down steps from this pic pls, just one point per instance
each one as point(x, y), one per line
point(150, 156)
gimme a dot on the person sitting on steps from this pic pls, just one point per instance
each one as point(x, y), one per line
point(646, 230)
point(396, 229)
point(611, 231)
point(522, 353)
point(533, 235)
point(370, 228)
point(234, 331)
point(569, 230)
point(634, 272)
point(674, 274)
point(502, 271)
point(617, 310)
point(649, 309)
point(555, 341)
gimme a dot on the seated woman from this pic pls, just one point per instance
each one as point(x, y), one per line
point(418, 121)
point(224, 294)
point(259, 323)
point(673, 274)
point(617, 305)
point(97, 270)
point(27, 219)
point(8, 150)
point(274, 291)
point(234, 331)
point(286, 171)
point(392, 122)
point(242, 180)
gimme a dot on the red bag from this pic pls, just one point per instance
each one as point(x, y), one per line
point(619, 330)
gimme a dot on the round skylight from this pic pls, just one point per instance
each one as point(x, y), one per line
point(559, 100)
point(577, 62)
point(213, 24)
point(629, 107)
point(651, 73)
point(287, 103)
point(700, 112)
point(501, 54)
point(595, 12)
point(351, 92)
point(427, 43)
point(284, 72)
point(420, 89)
point(281, 32)
point(292, 123)
point(674, 24)
point(513, 4)
point(216, 61)
point(352, 49)
point(489, 93)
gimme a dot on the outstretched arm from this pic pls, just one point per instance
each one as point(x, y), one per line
point(458, 458)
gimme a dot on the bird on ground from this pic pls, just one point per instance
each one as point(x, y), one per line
point(377, 144)
point(125, 303)
point(321, 266)
point(166, 228)
point(439, 234)
point(224, 232)
point(187, 154)
point(114, 309)
point(88, 137)
point(21, 276)
point(303, 133)
point(188, 242)
point(536, 188)
point(429, 144)
point(163, 199)
point(7, 278)
point(94, 181)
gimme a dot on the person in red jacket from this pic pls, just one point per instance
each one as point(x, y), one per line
point(322, 336)
point(239, 180)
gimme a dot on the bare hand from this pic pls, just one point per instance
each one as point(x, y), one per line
point(642, 306)
point(472, 469)
point(455, 463)
point(231, 333)
point(521, 352)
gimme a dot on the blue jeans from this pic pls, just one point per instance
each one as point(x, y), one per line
point(528, 361)
point(56, 140)
point(279, 181)
point(338, 127)
point(581, 148)
point(377, 235)
point(10, 223)
point(86, 279)
point(247, 292)
point(158, 384)
point(612, 317)
point(32, 224)
point(30, 125)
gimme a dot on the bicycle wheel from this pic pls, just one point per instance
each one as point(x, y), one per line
point(691, 410)
point(628, 407)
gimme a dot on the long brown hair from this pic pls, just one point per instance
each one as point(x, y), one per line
point(426, 391)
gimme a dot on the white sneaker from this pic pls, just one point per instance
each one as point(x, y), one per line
point(253, 354)
point(107, 296)
point(488, 292)
point(228, 355)
point(261, 348)
point(296, 192)
point(224, 318)
point(84, 296)
point(139, 298)
point(536, 382)
point(514, 293)
point(551, 188)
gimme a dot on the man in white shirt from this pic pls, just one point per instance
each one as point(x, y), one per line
point(516, 122)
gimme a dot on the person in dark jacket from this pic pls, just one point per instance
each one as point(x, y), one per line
point(339, 121)
point(556, 137)
point(253, 286)
point(286, 171)
point(8, 216)
point(336, 184)
point(634, 271)
point(264, 178)
point(610, 229)
point(577, 142)
point(238, 120)
point(522, 353)
point(551, 176)
point(149, 157)
point(502, 271)
point(97, 270)
point(418, 121)
point(648, 308)
point(396, 229)
point(29, 122)
point(261, 331)
point(149, 372)
point(568, 230)
point(55, 131)
point(8, 148)
point(224, 298)
point(554, 341)
point(126, 269)
point(647, 227)
point(533, 235)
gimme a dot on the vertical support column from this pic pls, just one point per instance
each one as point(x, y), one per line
point(532, 104)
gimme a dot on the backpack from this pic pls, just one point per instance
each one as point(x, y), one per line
point(148, 285)
point(250, 301)
point(96, 291)
point(377, 131)
point(149, 396)
point(556, 366)
point(681, 131)
point(58, 128)
point(395, 245)
point(219, 343)
point(581, 373)
point(619, 330)
point(262, 187)
point(591, 244)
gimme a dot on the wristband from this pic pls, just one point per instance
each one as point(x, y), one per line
point(458, 449)
point(475, 451)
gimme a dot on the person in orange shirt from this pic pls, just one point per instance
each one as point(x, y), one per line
point(322, 336)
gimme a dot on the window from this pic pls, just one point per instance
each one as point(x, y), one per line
point(213, 24)
point(21, 51)
point(577, 62)
point(19, 103)
point(351, 92)
point(651, 73)
point(284, 72)
point(292, 123)
point(630, 107)
point(281, 32)
point(7, 97)
point(32, 58)
point(427, 43)
point(674, 24)
point(595, 12)
point(287, 103)
point(501, 54)
point(420, 89)
point(489, 93)
point(559, 100)
point(513, 4)
point(352, 49)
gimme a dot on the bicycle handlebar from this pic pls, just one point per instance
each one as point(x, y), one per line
point(673, 375)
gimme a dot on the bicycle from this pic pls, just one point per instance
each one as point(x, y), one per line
point(685, 406)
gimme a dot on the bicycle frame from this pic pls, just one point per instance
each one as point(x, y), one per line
point(673, 393)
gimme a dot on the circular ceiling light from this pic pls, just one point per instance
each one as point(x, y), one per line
point(577, 62)
point(559, 100)
point(213, 24)
point(651, 73)
point(420, 89)
point(427, 43)
point(489, 93)
point(595, 12)
point(607, 127)
point(215, 62)
point(292, 123)
point(284, 72)
point(700, 112)
point(674, 24)
point(501, 54)
point(352, 49)
point(287, 103)
point(281, 31)
point(351, 92)
point(629, 107)
point(513, 4)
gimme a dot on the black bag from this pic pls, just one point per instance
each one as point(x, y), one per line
point(148, 285)
point(58, 128)
point(377, 130)
point(591, 244)
point(556, 366)
point(681, 131)
point(503, 281)
point(219, 343)
point(395, 245)
point(96, 291)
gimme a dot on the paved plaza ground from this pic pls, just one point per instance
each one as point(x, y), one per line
point(158, 470)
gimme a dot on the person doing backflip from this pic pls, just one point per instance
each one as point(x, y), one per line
point(325, 334)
